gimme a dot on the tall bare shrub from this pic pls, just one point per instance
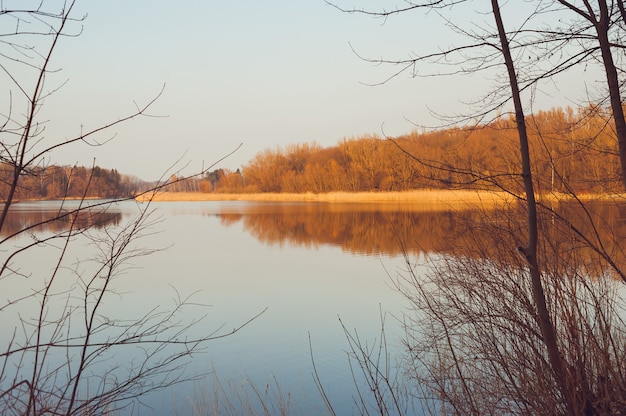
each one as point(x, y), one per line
point(66, 349)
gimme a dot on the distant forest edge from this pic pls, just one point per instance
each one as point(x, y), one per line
point(574, 150)
point(56, 182)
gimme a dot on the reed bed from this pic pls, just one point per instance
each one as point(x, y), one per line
point(452, 198)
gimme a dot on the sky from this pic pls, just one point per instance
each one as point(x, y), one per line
point(262, 74)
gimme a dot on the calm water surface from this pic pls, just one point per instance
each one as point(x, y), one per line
point(306, 265)
point(305, 285)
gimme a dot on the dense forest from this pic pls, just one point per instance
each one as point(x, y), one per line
point(54, 182)
point(573, 150)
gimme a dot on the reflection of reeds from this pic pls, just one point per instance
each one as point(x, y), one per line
point(429, 199)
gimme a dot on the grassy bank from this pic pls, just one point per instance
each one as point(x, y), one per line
point(422, 197)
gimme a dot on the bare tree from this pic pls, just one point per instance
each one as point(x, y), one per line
point(530, 250)
point(473, 342)
point(493, 334)
point(62, 355)
point(606, 22)
point(574, 37)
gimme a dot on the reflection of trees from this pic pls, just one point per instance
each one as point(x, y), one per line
point(42, 220)
point(595, 231)
point(391, 229)
point(356, 228)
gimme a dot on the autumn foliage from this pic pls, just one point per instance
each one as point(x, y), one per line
point(574, 150)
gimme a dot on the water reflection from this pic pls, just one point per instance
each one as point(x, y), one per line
point(356, 228)
point(239, 275)
point(388, 229)
point(57, 216)
point(367, 229)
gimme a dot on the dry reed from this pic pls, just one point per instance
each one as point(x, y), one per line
point(441, 198)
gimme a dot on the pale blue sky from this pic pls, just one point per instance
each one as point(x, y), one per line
point(262, 73)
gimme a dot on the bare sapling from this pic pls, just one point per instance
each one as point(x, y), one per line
point(68, 346)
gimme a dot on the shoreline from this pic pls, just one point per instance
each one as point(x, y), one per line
point(425, 197)
point(420, 197)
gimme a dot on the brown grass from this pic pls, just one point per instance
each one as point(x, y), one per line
point(455, 198)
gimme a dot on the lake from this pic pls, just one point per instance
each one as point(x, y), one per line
point(245, 257)
point(301, 266)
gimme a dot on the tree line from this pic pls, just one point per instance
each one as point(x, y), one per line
point(575, 150)
point(54, 182)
